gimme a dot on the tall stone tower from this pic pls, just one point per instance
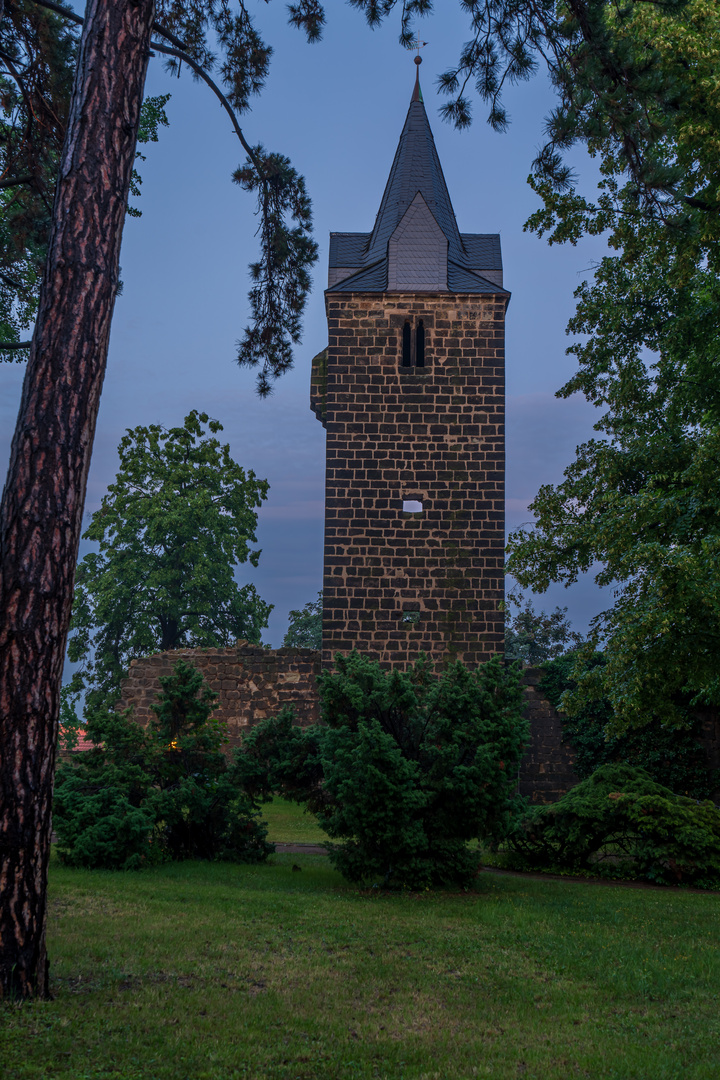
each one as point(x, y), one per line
point(411, 392)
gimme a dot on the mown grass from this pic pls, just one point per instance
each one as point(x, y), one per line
point(215, 972)
point(288, 823)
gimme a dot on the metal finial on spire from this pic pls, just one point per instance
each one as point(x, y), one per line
point(417, 44)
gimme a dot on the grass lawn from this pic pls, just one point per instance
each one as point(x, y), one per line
point(289, 824)
point(200, 971)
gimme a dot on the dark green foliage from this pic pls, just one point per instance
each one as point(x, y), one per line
point(621, 820)
point(535, 637)
point(278, 755)
point(37, 60)
point(670, 755)
point(167, 792)
point(100, 812)
point(37, 54)
point(152, 117)
point(639, 506)
point(406, 769)
point(281, 278)
point(37, 65)
point(171, 529)
point(305, 627)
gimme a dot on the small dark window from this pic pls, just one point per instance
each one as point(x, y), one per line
point(413, 343)
point(407, 343)
point(420, 345)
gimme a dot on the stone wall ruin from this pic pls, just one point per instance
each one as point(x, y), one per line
point(254, 683)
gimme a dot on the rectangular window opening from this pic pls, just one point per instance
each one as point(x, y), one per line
point(414, 340)
point(412, 506)
point(406, 345)
point(420, 345)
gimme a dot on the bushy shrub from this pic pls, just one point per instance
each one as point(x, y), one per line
point(405, 769)
point(672, 756)
point(621, 817)
point(166, 792)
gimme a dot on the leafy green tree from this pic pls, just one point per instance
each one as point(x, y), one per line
point(639, 504)
point(305, 626)
point(535, 637)
point(405, 770)
point(179, 518)
point(672, 756)
point(167, 792)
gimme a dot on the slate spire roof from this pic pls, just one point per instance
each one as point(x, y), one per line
point(416, 168)
point(359, 261)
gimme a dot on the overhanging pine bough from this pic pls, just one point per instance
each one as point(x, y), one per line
point(281, 278)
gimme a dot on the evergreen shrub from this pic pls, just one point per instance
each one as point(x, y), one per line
point(405, 769)
point(143, 796)
point(623, 823)
point(672, 756)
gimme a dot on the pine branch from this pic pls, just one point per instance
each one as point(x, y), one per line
point(16, 182)
point(60, 10)
point(177, 49)
point(180, 54)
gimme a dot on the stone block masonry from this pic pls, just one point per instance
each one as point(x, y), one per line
point(398, 584)
point(252, 683)
point(547, 770)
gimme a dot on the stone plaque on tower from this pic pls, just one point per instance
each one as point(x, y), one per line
point(411, 391)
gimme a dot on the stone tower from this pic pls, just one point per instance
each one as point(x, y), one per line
point(411, 392)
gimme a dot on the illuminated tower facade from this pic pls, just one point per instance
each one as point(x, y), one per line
point(411, 392)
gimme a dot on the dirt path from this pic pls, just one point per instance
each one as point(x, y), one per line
point(318, 849)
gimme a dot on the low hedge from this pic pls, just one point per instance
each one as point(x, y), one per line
point(620, 822)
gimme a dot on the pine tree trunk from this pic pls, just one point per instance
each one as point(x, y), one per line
point(42, 505)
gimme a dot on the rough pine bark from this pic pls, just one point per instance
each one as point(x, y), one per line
point(42, 505)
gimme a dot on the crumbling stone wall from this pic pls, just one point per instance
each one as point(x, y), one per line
point(396, 583)
point(252, 683)
point(546, 772)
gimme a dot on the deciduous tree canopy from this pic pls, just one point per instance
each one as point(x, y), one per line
point(536, 637)
point(641, 501)
point(305, 627)
point(171, 530)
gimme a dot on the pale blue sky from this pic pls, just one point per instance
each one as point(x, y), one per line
point(336, 109)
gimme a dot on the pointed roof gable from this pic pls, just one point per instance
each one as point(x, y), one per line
point(416, 168)
point(362, 262)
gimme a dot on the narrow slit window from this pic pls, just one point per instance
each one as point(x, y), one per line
point(420, 345)
point(407, 343)
point(414, 354)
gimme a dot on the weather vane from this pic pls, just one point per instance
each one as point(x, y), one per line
point(418, 45)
